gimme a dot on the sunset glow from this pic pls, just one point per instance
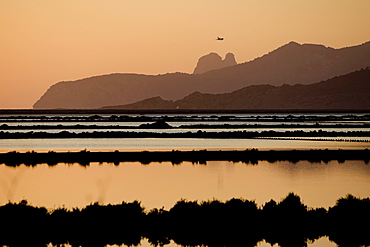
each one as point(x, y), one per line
point(44, 42)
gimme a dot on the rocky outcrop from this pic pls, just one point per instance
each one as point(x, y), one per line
point(151, 103)
point(351, 91)
point(292, 63)
point(213, 61)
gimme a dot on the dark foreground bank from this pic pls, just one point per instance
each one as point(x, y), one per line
point(249, 156)
point(236, 222)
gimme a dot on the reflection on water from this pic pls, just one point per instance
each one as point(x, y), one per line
point(157, 144)
point(163, 184)
point(321, 242)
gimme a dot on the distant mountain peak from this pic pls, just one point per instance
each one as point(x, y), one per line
point(306, 46)
point(292, 63)
point(195, 94)
point(293, 43)
point(214, 61)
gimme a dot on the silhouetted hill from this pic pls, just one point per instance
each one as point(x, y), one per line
point(151, 103)
point(113, 89)
point(290, 64)
point(351, 91)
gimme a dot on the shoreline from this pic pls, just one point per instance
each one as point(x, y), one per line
point(241, 134)
point(175, 111)
point(248, 156)
point(186, 127)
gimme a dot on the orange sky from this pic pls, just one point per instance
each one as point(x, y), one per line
point(46, 41)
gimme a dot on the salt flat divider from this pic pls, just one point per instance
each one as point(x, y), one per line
point(252, 156)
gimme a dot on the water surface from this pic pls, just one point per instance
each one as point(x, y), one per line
point(163, 184)
point(168, 144)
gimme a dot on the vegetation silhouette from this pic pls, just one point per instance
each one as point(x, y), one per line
point(248, 156)
point(352, 213)
point(188, 223)
point(199, 134)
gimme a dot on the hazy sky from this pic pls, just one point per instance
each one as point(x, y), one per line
point(46, 41)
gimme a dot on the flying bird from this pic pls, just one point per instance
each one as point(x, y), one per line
point(219, 38)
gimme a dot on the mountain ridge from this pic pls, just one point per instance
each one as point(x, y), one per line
point(291, 63)
point(351, 91)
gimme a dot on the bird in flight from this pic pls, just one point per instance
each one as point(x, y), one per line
point(219, 38)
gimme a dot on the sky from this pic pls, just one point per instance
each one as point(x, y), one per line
point(43, 42)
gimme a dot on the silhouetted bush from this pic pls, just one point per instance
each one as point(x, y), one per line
point(85, 157)
point(188, 223)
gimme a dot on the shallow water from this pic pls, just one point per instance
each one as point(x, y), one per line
point(158, 144)
point(163, 184)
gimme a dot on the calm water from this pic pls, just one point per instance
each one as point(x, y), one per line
point(182, 144)
point(162, 184)
point(151, 144)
